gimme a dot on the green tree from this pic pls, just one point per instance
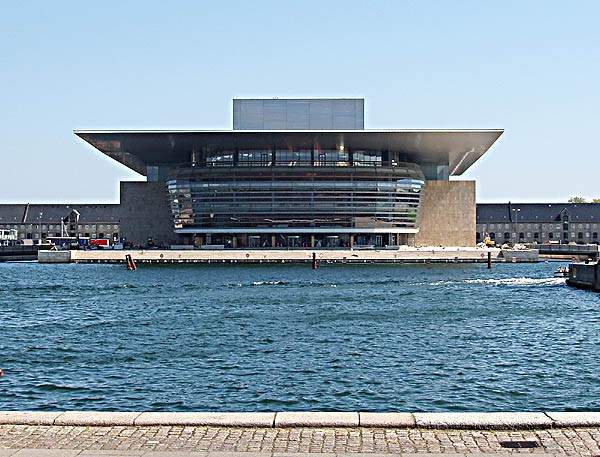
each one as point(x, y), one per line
point(596, 200)
point(576, 200)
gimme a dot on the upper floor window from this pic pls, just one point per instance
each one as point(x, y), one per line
point(223, 158)
point(260, 158)
point(366, 158)
point(325, 157)
point(291, 158)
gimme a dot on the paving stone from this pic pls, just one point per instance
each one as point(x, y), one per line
point(175, 454)
point(110, 452)
point(483, 420)
point(183, 440)
point(208, 419)
point(300, 454)
point(239, 454)
point(45, 453)
point(402, 420)
point(316, 419)
point(28, 417)
point(106, 418)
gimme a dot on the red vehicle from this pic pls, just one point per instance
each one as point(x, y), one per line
point(100, 242)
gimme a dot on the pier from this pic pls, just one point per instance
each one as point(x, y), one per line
point(308, 256)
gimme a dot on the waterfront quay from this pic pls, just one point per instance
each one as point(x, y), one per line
point(290, 434)
point(398, 255)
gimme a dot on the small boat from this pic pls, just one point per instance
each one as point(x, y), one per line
point(562, 272)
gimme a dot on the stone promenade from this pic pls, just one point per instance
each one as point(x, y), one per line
point(211, 441)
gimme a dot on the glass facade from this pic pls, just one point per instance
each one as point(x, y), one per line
point(303, 189)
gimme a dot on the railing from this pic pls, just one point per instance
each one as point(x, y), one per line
point(568, 249)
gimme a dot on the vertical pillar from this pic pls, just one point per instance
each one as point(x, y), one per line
point(351, 241)
point(234, 241)
point(312, 241)
point(273, 241)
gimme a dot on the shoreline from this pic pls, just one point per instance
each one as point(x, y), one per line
point(326, 256)
point(290, 419)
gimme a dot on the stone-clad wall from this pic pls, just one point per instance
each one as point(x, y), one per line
point(145, 213)
point(447, 214)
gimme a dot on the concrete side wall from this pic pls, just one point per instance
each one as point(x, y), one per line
point(145, 213)
point(447, 214)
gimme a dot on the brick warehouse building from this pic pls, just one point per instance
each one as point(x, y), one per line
point(539, 222)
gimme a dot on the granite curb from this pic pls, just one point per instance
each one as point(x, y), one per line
point(289, 419)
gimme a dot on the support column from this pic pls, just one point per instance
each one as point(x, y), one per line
point(273, 241)
point(351, 241)
point(312, 241)
point(234, 241)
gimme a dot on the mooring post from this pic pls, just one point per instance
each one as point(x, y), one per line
point(489, 262)
point(315, 265)
point(130, 263)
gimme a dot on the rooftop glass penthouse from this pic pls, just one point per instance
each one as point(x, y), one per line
point(305, 173)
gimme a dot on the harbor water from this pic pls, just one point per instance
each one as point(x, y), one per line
point(451, 337)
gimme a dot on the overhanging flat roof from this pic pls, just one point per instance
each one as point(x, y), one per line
point(138, 148)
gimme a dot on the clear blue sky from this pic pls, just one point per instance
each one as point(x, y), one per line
point(530, 67)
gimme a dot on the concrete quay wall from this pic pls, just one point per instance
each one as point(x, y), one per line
point(408, 255)
point(468, 420)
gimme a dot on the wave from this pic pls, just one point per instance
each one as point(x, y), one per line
point(269, 283)
point(519, 281)
point(522, 281)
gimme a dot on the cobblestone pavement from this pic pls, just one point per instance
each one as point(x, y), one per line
point(580, 441)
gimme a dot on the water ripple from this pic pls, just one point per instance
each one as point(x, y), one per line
point(368, 337)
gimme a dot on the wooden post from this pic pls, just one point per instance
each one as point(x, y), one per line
point(315, 265)
point(130, 263)
point(489, 262)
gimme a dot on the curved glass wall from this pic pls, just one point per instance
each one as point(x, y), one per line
point(331, 193)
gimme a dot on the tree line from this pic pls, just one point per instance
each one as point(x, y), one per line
point(583, 200)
